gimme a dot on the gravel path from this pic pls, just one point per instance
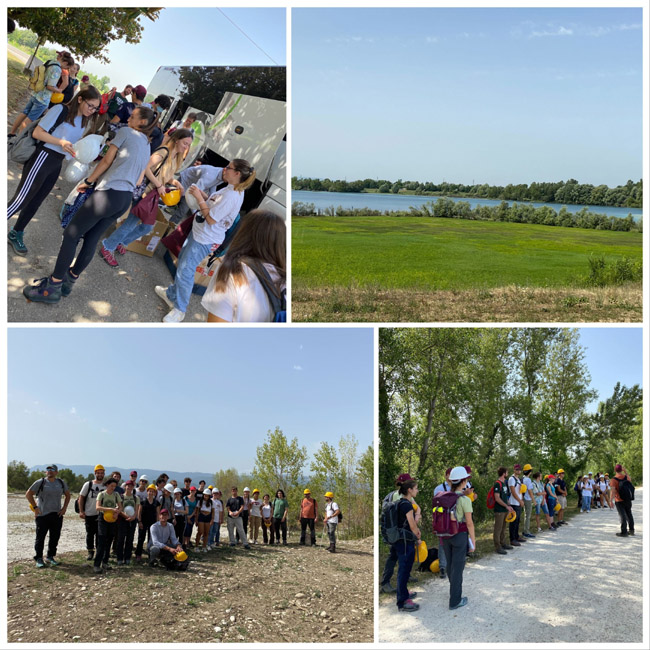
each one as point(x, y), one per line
point(559, 587)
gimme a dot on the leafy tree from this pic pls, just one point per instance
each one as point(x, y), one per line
point(225, 479)
point(85, 31)
point(17, 475)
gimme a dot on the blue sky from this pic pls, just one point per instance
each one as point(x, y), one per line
point(195, 36)
point(184, 398)
point(487, 95)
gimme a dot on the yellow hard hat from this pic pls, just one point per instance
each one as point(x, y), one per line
point(421, 551)
point(56, 98)
point(99, 467)
point(560, 471)
point(171, 197)
point(522, 489)
point(415, 506)
point(110, 516)
point(151, 486)
point(307, 491)
point(527, 466)
point(558, 507)
point(256, 491)
point(31, 507)
point(181, 556)
point(210, 487)
point(511, 516)
point(434, 567)
point(472, 495)
point(329, 495)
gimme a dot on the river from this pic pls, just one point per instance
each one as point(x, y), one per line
point(402, 202)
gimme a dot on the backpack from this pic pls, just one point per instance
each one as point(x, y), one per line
point(90, 495)
point(490, 500)
point(278, 301)
point(40, 487)
point(445, 522)
point(24, 145)
point(37, 80)
point(626, 489)
point(390, 531)
point(106, 100)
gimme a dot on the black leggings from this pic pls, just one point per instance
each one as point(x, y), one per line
point(99, 211)
point(38, 178)
point(280, 525)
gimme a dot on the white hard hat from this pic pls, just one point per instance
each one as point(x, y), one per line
point(207, 491)
point(215, 490)
point(169, 487)
point(247, 489)
point(177, 490)
point(144, 477)
point(458, 474)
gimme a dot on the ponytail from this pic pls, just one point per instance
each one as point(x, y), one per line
point(247, 173)
point(151, 118)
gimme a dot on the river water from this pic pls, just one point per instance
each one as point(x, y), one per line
point(395, 202)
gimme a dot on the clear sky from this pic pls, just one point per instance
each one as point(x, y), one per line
point(184, 398)
point(487, 95)
point(195, 36)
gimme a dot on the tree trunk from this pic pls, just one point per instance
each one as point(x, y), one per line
point(27, 69)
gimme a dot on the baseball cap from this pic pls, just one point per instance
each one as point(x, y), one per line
point(618, 468)
point(192, 489)
point(404, 477)
point(140, 91)
point(517, 466)
point(129, 482)
point(164, 511)
point(52, 467)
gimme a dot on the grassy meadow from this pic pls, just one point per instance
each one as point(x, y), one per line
point(396, 269)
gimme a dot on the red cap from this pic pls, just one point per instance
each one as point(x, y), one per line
point(133, 473)
point(619, 468)
point(551, 475)
point(404, 477)
point(129, 482)
point(468, 469)
point(140, 91)
point(164, 511)
point(517, 466)
point(192, 489)
point(448, 471)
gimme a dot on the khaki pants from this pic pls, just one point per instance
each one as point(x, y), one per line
point(255, 523)
point(528, 511)
point(500, 526)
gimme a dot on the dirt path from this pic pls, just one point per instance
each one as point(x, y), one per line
point(581, 584)
point(268, 594)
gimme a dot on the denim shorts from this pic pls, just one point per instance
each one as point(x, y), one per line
point(541, 508)
point(34, 109)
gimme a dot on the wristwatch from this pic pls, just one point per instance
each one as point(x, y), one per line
point(87, 182)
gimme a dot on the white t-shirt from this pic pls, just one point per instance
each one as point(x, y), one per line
point(587, 489)
point(218, 509)
point(516, 483)
point(256, 505)
point(267, 511)
point(443, 487)
point(529, 488)
point(90, 505)
point(330, 508)
point(179, 507)
point(206, 508)
point(602, 486)
point(65, 131)
point(224, 207)
point(247, 303)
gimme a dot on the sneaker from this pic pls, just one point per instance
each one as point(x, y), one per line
point(15, 238)
point(522, 539)
point(539, 530)
point(553, 528)
point(409, 606)
point(174, 316)
point(161, 292)
point(630, 532)
point(209, 547)
point(10, 135)
point(40, 564)
point(106, 566)
point(413, 594)
point(52, 561)
point(462, 603)
point(97, 569)
point(91, 555)
point(108, 257)
point(387, 588)
point(500, 551)
point(205, 549)
point(507, 547)
point(515, 543)
point(120, 249)
point(247, 546)
point(68, 284)
point(529, 535)
point(44, 291)
point(621, 534)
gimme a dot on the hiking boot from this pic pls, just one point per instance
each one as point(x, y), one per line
point(106, 566)
point(44, 291)
point(409, 606)
point(507, 547)
point(120, 249)
point(462, 603)
point(108, 257)
point(97, 569)
point(52, 561)
point(413, 594)
point(500, 551)
point(15, 238)
point(40, 564)
point(621, 534)
point(515, 543)
point(91, 555)
point(630, 532)
point(387, 588)
point(174, 316)
point(68, 284)
point(161, 292)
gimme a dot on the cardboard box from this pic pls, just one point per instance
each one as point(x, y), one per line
point(147, 245)
point(203, 273)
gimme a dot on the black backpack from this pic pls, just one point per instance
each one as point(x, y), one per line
point(90, 495)
point(278, 299)
point(626, 489)
point(391, 532)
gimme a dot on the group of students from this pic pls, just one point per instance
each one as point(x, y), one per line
point(511, 498)
point(596, 490)
point(165, 516)
point(139, 162)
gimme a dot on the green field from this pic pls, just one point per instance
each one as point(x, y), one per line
point(446, 254)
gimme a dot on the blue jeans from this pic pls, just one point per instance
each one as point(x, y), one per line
point(586, 503)
point(191, 254)
point(130, 230)
point(215, 531)
point(442, 559)
point(405, 558)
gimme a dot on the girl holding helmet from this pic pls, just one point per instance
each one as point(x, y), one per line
point(205, 519)
point(456, 546)
point(109, 506)
point(127, 524)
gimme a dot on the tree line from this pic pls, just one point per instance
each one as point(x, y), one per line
point(495, 396)
point(629, 195)
point(544, 215)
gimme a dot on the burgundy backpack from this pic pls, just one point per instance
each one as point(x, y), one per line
point(445, 523)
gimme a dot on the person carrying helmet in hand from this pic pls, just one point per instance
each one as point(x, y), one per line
point(109, 506)
point(515, 500)
point(527, 490)
point(163, 543)
point(501, 510)
point(87, 510)
point(332, 512)
point(308, 516)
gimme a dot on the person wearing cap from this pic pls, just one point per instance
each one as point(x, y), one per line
point(180, 512)
point(268, 531)
point(123, 113)
point(205, 519)
point(308, 516)
point(516, 502)
point(392, 559)
point(608, 493)
point(126, 524)
point(87, 511)
point(215, 528)
point(280, 513)
point(561, 495)
point(456, 546)
point(134, 477)
point(191, 502)
point(539, 494)
point(603, 485)
point(147, 517)
point(141, 489)
point(163, 543)
point(587, 492)
point(44, 496)
point(109, 506)
point(445, 486)
point(255, 515)
point(332, 512)
point(528, 501)
point(623, 506)
point(235, 507)
point(501, 510)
